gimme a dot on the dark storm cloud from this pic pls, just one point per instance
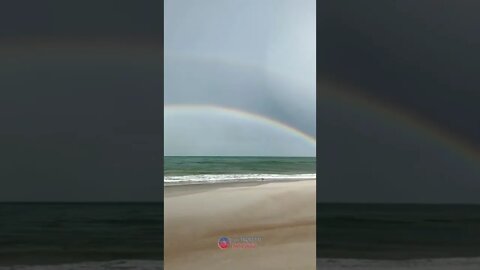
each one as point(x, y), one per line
point(421, 57)
point(80, 101)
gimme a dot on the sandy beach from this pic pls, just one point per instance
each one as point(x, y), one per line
point(279, 216)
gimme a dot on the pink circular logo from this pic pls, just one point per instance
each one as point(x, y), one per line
point(223, 242)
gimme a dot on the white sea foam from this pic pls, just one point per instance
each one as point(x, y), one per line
point(110, 265)
point(218, 178)
point(420, 264)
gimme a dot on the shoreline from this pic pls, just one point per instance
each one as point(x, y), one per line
point(239, 181)
point(190, 188)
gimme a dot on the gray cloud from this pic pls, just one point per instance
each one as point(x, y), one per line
point(258, 56)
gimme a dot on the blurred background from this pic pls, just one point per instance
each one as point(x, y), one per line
point(398, 101)
point(80, 100)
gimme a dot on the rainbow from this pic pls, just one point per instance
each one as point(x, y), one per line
point(330, 91)
point(234, 112)
point(339, 93)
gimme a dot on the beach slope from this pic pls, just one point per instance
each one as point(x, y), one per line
point(280, 214)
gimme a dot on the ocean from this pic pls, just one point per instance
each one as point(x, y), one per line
point(195, 170)
point(397, 231)
point(81, 235)
point(398, 237)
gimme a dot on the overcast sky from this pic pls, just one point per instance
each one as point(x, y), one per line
point(256, 56)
